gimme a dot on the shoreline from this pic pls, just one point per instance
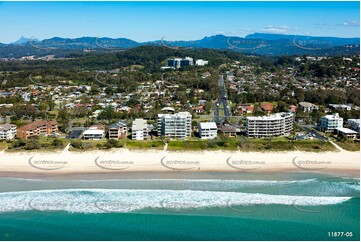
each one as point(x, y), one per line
point(123, 161)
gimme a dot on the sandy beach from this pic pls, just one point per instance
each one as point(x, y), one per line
point(26, 164)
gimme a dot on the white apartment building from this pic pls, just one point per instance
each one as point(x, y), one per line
point(95, 132)
point(176, 125)
point(139, 129)
point(207, 130)
point(330, 123)
point(179, 62)
point(7, 131)
point(279, 124)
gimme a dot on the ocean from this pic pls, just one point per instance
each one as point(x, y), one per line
point(214, 206)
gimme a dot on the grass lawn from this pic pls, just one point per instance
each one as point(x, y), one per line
point(349, 145)
point(314, 146)
point(144, 144)
point(195, 144)
point(3, 145)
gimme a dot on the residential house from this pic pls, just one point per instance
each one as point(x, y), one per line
point(267, 107)
point(94, 132)
point(244, 109)
point(228, 131)
point(117, 130)
point(307, 107)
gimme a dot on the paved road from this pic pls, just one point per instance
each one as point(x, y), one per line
point(310, 129)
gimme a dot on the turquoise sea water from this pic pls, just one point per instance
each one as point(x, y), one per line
point(237, 207)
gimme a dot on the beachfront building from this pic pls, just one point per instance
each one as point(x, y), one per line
point(207, 130)
point(228, 131)
point(118, 130)
point(176, 125)
point(329, 123)
point(307, 107)
point(347, 133)
point(278, 124)
point(37, 128)
point(139, 129)
point(354, 124)
point(94, 132)
point(7, 131)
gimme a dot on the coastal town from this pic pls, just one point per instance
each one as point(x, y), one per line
point(180, 121)
point(41, 115)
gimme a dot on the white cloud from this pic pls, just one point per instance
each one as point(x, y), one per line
point(351, 23)
point(240, 33)
point(283, 29)
point(346, 23)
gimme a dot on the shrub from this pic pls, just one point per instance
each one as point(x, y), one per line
point(77, 144)
point(57, 143)
point(18, 143)
point(32, 145)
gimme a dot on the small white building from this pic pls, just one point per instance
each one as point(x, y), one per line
point(7, 131)
point(207, 130)
point(201, 62)
point(346, 107)
point(95, 132)
point(139, 129)
point(347, 133)
point(307, 107)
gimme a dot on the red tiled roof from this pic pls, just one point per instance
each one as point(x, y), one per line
point(267, 106)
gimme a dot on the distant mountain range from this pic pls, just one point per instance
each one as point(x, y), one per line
point(257, 43)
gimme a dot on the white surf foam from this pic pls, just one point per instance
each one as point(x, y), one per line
point(102, 200)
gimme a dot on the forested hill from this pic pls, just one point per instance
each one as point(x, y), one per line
point(151, 57)
point(257, 43)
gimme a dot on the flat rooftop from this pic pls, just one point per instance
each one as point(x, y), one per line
point(347, 131)
point(271, 117)
point(208, 125)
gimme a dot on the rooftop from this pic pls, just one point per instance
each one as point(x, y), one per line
point(139, 124)
point(354, 120)
point(118, 124)
point(271, 117)
point(6, 126)
point(307, 104)
point(346, 131)
point(180, 114)
point(331, 116)
point(208, 125)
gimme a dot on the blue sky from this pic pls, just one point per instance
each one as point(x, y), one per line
point(142, 21)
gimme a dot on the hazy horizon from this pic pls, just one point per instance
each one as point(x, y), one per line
point(147, 21)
